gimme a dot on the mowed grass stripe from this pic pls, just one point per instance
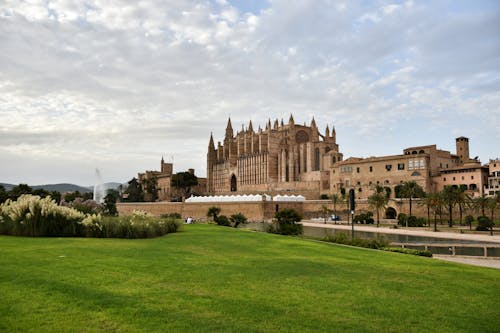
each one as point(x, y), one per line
point(209, 278)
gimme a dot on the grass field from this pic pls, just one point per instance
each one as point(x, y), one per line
point(207, 278)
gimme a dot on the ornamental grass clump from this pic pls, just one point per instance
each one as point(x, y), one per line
point(137, 225)
point(31, 215)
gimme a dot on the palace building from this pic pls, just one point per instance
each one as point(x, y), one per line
point(289, 158)
point(428, 166)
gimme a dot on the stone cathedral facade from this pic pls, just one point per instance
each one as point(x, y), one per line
point(281, 159)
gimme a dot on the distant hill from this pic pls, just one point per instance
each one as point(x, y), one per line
point(64, 187)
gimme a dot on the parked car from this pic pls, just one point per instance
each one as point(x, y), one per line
point(334, 217)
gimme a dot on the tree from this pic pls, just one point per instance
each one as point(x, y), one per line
point(378, 200)
point(3, 194)
point(109, 205)
point(134, 191)
point(492, 205)
point(325, 211)
point(19, 190)
point(184, 181)
point(463, 201)
point(238, 219)
point(213, 212)
point(287, 222)
point(481, 203)
point(56, 196)
point(435, 202)
point(449, 195)
point(410, 189)
point(41, 192)
point(150, 186)
point(335, 200)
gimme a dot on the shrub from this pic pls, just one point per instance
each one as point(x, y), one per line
point(402, 219)
point(223, 220)
point(484, 223)
point(341, 238)
point(469, 219)
point(176, 216)
point(287, 223)
point(364, 218)
point(238, 219)
point(136, 225)
point(408, 251)
point(412, 221)
point(31, 215)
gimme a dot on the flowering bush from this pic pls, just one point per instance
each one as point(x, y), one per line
point(31, 215)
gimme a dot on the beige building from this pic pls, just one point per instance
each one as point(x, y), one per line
point(493, 183)
point(471, 176)
point(164, 183)
point(281, 158)
point(430, 167)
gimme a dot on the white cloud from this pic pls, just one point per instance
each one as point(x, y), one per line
point(122, 81)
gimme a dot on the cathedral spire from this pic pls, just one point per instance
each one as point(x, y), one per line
point(250, 127)
point(327, 132)
point(282, 124)
point(291, 121)
point(313, 123)
point(276, 124)
point(211, 145)
point(229, 129)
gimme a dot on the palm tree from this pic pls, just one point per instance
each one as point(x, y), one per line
point(449, 195)
point(492, 204)
point(335, 200)
point(410, 189)
point(378, 200)
point(463, 201)
point(481, 202)
point(428, 201)
point(213, 212)
point(435, 202)
point(325, 210)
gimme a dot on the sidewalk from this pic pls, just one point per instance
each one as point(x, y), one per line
point(475, 261)
point(402, 231)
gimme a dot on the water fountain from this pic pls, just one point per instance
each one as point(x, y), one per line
point(99, 189)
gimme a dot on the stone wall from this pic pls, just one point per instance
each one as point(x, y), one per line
point(254, 211)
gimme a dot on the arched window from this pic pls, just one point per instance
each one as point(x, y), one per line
point(233, 183)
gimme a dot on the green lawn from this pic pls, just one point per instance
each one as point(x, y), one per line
point(207, 278)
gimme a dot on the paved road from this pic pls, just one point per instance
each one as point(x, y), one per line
point(476, 261)
point(402, 231)
point(484, 262)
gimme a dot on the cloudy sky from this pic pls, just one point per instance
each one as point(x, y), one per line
point(115, 85)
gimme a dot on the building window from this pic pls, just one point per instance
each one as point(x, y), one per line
point(410, 164)
point(358, 183)
point(471, 177)
point(462, 177)
point(401, 166)
point(388, 167)
point(357, 169)
point(371, 169)
point(386, 182)
point(422, 163)
point(453, 178)
point(444, 179)
point(370, 183)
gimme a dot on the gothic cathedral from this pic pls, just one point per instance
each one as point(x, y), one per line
point(282, 159)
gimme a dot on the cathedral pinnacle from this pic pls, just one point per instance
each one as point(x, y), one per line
point(229, 129)
point(313, 123)
point(291, 121)
point(250, 127)
point(211, 145)
point(327, 131)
